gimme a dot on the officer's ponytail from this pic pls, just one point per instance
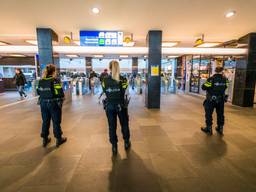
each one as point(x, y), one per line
point(50, 70)
point(115, 70)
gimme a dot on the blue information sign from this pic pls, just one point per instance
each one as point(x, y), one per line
point(101, 38)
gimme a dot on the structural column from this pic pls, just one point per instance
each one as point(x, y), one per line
point(153, 87)
point(88, 65)
point(45, 36)
point(245, 76)
point(135, 65)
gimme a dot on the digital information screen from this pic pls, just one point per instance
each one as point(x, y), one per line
point(101, 38)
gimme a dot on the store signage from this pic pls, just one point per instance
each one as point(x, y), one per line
point(154, 70)
point(101, 38)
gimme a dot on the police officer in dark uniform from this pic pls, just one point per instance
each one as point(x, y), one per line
point(215, 87)
point(51, 97)
point(116, 105)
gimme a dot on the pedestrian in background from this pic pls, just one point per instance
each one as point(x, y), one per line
point(20, 81)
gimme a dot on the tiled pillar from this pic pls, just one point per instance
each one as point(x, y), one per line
point(88, 65)
point(45, 36)
point(245, 75)
point(152, 91)
point(134, 65)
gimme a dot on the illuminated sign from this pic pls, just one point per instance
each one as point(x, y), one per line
point(101, 38)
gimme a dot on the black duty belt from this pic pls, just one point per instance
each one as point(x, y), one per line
point(52, 100)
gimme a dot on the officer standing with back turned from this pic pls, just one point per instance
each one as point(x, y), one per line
point(215, 87)
point(51, 97)
point(116, 105)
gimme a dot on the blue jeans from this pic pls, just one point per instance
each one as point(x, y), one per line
point(113, 111)
point(51, 110)
point(21, 90)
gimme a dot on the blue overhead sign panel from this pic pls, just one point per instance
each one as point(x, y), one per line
point(101, 38)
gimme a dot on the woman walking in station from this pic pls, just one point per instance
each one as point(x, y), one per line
point(116, 105)
point(51, 98)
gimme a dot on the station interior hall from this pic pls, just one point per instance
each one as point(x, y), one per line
point(168, 52)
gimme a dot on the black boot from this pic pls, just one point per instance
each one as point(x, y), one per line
point(219, 129)
point(114, 149)
point(60, 141)
point(127, 145)
point(46, 141)
point(207, 130)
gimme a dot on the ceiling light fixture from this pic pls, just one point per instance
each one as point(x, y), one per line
point(208, 44)
point(95, 10)
point(3, 43)
point(72, 56)
point(124, 56)
point(172, 56)
point(17, 55)
point(169, 44)
point(33, 42)
point(230, 14)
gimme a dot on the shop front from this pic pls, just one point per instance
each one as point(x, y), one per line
point(199, 68)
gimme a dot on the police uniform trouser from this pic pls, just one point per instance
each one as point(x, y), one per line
point(51, 110)
point(112, 111)
point(209, 107)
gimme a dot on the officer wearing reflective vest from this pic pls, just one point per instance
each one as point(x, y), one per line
point(215, 87)
point(116, 105)
point(51, 97)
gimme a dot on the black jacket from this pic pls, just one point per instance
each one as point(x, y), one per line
point(216, 85)
point(20, 79)
point(50, 88)
point(114, 90)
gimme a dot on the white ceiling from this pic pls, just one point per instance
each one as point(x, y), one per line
point(180, 20)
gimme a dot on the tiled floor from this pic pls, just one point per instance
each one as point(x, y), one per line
point(169, 153)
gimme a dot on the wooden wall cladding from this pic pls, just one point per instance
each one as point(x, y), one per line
point(17, 61)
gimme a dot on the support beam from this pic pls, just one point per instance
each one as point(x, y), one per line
point(135, 65)
point(88, 65)
point(245, 76)
point(153, 87)
point(45, 36)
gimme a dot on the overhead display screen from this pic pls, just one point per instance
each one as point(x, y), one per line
point(101, 38)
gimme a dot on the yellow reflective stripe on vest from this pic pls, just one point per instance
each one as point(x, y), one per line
point(47, 78)
point(207, 84)
point(57, 86)
point(124, 85)
point(103, 84)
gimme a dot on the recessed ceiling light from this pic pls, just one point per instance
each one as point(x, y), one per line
point(169, 44)
point(95, 10)
point(72, 56)
point(17, 55)
point(3, 43)
point(230, 14)
point(172, 56)
point(33, 42)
